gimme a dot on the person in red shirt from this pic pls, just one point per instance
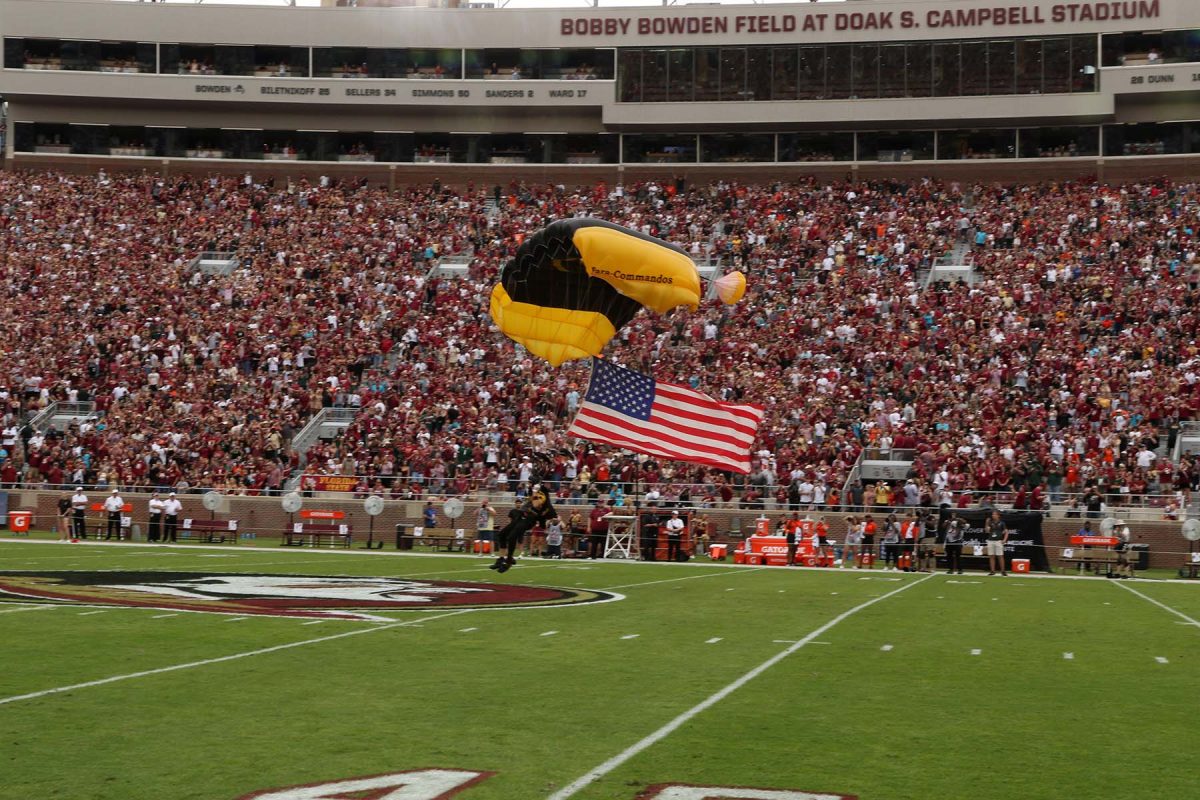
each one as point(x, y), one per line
point(598, 528)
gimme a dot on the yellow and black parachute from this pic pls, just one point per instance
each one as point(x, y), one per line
point(572, 285)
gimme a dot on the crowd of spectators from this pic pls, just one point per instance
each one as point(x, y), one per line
point(1066, 367)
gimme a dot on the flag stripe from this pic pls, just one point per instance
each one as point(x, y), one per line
point(752, 415)
point(708, 442)
point(716, 419)
point(621, 438)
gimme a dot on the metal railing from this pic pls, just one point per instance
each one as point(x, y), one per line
point(333, 417)
point(78, 408)
point(214, 262)
point(41, 420)
point(1189, 429)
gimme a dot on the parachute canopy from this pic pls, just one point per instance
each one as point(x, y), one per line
point(731, 287)
point(572, 285)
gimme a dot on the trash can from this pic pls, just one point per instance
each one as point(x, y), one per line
point(20, 521)
point(1139, 556)
point(404, 539)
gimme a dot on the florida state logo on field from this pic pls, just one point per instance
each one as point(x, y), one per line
point(323, 597)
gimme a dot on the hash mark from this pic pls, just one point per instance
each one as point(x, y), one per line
point(713, 640)
point(90, 613)
point(976, 652)
point(1161, 660)
point(549, 633)
point(467, 630)
point(163, 616)
point(631, 636)
point(886, 648)
point(1069, 656)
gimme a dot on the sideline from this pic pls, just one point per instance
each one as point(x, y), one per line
point(666, 730)
point(221, 659)
point(1163, 606)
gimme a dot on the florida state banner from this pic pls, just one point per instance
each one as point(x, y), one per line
point(328, 483)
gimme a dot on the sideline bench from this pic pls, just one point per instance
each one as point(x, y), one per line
point(1097, 560)
point(317, 534)
point(449, 543)
point(210, 530)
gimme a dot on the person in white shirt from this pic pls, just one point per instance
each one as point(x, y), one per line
point(171, 509)
point(674, 528)
point(155, 507)
point(113, 504)
point(79, 502)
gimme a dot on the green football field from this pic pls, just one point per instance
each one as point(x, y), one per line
point(783, 682)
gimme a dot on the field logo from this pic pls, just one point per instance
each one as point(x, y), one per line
point(419, 784)
point(442, 784)
point(323, 597)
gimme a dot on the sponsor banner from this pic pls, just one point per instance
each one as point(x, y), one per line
point(1024, 534)
point(322, 514)
point(324, 597)
point(1095, 541)
point(772, 550)
point(100, 507)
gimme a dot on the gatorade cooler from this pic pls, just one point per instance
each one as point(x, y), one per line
point(717, 552)
point(483, 546)
point(19, 521)
point(762, 527)
point(1020, 565)
point(739, 556)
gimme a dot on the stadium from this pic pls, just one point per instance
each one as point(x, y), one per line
point(301, 304)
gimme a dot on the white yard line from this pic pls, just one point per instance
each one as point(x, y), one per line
point(722, 573)
point(29, 608)
point(666, 730)
point(1150, 599)
point(221, 659)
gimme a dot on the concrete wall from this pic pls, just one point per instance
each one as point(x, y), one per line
point(1025, 170)
point(800, 23)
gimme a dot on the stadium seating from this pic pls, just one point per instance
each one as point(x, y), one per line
point(1073, 350)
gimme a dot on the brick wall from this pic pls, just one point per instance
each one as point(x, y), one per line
point(264, 517)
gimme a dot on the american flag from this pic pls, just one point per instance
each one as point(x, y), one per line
point(633, 411)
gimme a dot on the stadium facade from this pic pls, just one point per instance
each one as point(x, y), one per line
point(1025, 88)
